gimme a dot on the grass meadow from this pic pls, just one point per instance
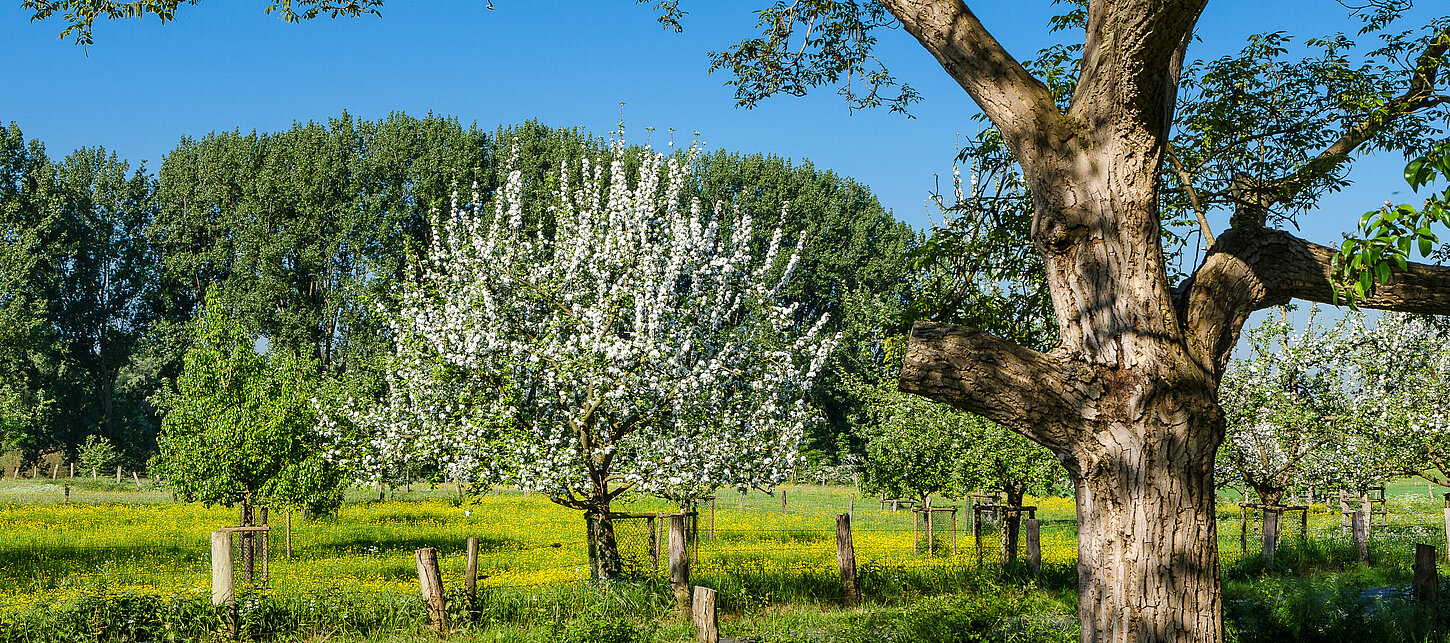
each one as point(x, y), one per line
point(111, 563)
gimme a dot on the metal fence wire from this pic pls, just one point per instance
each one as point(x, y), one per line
point(643, 540)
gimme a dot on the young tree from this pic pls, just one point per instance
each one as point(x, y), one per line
point(240, 426)
point(632, 344)
point(1403, 362)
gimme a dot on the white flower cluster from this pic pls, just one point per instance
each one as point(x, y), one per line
point(626, 340)
point(1293, 411)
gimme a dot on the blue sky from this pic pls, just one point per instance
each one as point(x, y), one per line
point(226, 65)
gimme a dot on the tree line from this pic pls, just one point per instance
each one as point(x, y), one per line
point(305, 235)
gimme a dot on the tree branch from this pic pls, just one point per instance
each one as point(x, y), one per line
point(1420, 95)
point(1018, 103)
point(1252, 267)
point(1029, 392)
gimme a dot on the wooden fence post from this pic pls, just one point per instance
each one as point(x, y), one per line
point(741, 506)
point(263, 545)
point(289, 533)
point(707, 624)
point(1447, 526)
point(1034, 545)
point(137, 479)
point(977, 532)
point(846, 558)
point(53, 469)
point(470, 578)
point(954, 531)
point(652, 535)
point(1359, 521)
point(930, 543)
point(782, 500)
point(680, 564)
point(430, 581)
point(712, 520)
point(223, 591)
point(118, 474)
point(1427, 575)
point(1271, 534)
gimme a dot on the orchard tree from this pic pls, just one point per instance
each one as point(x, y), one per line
point(1293, 413)
point(240, 426)
point(1128, 398)
point(1404, 363)
point(634, 345)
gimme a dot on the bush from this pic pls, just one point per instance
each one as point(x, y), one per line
point(97, 453)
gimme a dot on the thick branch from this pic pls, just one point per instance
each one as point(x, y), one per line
point(1250, 268)
point(1016, 102)
point(1029, 392)
point(1131, 61)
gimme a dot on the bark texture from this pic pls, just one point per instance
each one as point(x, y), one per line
point(1128, 400)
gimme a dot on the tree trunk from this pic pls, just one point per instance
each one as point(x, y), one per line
point(604, 561)
point(1012, 523)
point(1147, 545)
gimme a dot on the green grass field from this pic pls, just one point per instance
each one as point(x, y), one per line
point(110, 547)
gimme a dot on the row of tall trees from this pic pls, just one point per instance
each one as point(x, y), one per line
point(304, 235)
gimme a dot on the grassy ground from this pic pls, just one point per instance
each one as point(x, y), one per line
point(139, 556)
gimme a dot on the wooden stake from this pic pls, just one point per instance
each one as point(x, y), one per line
point(652, 533)
point(1360, 523)
point(1271, 534)
point(782, 500)
point(289, 533)
point(118, 474)
point(53, 469)
point(1034, 545)
point(137, 479)
point(1447, 525)
point(707, 624)
point(930, 537)
point(430, 581)
point(262, 543)
point(846, 559)
point(223, 592)
point(1427, 575)
point(470, 578)
point(679, 564)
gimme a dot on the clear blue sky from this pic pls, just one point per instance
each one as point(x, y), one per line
point(226, 65)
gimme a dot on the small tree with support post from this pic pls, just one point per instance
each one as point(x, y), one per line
point(239, 426)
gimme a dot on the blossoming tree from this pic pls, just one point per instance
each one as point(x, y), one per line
point(627, 341)
point(1292, 407)
point(1404, 362)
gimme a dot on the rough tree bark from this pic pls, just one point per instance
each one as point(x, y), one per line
point(604, 560)
point(1128, 400)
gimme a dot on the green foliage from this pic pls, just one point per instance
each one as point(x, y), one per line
point(809, 43)
point(97, 453)
point(80, 15)
point(240, 426)
point(607, 630)
point(916, 448)
point(1388, 236)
